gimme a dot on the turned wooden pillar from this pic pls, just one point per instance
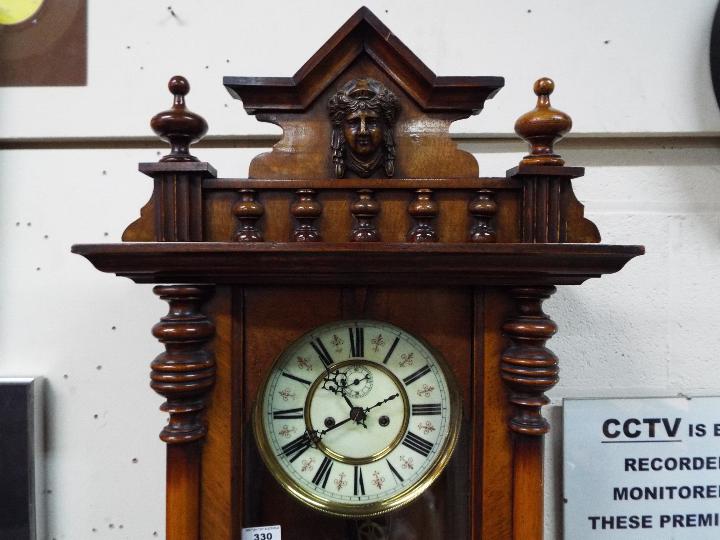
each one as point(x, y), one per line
point(365, 209)
point(184, 375)
point(529, 369)
point(306, 209)
point(424, 210)
point(248, 211)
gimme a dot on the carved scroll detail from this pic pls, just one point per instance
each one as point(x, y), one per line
point(185, 372)
point(528, 368)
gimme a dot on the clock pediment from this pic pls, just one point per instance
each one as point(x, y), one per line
point(363, 35)
point(364, 62)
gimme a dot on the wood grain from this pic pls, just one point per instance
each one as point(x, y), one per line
point(219, 477)
point(359, 263)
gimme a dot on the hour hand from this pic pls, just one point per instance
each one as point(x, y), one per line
point(336, 387)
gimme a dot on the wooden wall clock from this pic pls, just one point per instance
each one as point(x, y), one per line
point(355, 346)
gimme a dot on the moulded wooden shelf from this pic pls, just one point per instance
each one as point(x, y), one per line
point(358, 263)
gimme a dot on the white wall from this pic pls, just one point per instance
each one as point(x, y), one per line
point(651, 77)
point(648, 330)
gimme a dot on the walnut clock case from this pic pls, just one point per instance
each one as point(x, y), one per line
point(355, 343)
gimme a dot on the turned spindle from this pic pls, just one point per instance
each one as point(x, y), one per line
point(423, 209)
point(483, 209)
point(248, 210)
point(528, 368)
point(178, 125)
point(365, 208)
point(306, 209)
point(185, 372)
point(543, 127)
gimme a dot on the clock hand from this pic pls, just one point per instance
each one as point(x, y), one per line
point(324, 431)
point(312, 437)
point(381, 402)
point(333, 378)
point(339, 388)
point(347, 400)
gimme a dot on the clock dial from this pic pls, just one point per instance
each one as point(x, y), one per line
point(357, 418)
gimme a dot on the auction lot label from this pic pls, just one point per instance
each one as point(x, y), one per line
point(642, 468)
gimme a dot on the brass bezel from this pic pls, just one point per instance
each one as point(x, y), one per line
point(385, 451)
point(373, 508)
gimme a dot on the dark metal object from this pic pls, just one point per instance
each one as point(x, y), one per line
point(21, 506)
point(715, 54)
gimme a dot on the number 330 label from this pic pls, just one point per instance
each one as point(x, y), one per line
point(271, 532)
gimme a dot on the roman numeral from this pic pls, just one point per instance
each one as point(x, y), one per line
point(323, 472)
point(429, 409)
point(390, 351)
point(359, 484)
point(289, 414)
point(415, 376)
point(420, 445)
point(357, 342)
point(294, 378)
point(394, 471)
point(322, 352)
point(295, 448)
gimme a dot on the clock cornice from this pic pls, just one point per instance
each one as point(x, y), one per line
point(364, 33)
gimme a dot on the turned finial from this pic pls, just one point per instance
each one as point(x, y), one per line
point(179, 126)
point(543, 127)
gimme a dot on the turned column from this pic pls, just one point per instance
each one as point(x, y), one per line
point(483, 209)
point(529, 369)
point(365, 209)
point(184, 375)
point(424, 210)
point(306, 209)
point(248, 211)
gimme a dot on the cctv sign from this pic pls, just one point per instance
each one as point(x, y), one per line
point(642, 468)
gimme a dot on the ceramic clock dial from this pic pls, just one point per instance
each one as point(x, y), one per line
point(357, 418)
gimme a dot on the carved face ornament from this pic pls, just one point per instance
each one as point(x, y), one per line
point(363, 113)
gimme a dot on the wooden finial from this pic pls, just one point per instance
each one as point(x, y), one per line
point(543, 127)
point(179, 126)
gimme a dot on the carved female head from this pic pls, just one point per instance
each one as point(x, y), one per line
point(363, 114)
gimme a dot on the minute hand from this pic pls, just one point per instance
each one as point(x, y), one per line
point(382, 402)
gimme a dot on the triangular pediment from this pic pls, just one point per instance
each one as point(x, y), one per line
point(362, 34)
